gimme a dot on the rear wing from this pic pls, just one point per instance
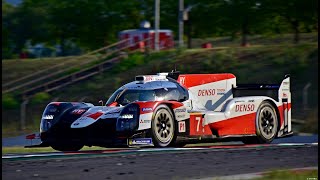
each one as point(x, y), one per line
point(280, 92)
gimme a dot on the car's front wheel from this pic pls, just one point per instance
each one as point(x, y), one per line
point(163, 127)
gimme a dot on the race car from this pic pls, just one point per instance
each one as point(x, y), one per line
point(168, 109)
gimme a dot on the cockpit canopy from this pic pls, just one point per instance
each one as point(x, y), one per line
point(149, 91)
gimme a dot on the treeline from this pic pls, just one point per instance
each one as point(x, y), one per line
point(93, 24)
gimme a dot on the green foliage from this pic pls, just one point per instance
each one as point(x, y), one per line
point(93, 24)
point(117, 82)
point(92, 86)
point(311, 122)
point(9, 102)
point(131, 61)
point(40, 98)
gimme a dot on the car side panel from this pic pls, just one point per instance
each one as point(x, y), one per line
point(147, 110)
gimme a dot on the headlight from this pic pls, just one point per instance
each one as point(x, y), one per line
point(47, 117)
point(126, 116)
point(128, 119)
point(45, 125)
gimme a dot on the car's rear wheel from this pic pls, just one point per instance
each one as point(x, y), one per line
point(163, 127)
point(67, 147)
point(266, 125)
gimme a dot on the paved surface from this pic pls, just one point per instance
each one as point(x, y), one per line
point(17, 141)
point(22, 141)
point(191, 164)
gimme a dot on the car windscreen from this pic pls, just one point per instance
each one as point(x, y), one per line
point(126, 96)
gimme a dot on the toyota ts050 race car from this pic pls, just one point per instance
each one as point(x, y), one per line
point(167, 109)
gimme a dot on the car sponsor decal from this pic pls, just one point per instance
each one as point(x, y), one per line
point(244, 108)
point(180, 110)
point(182, 80)
point(206, 92)
point(182, 126)
point(147, 109)
point(181, 113)
point(140, 141)
point(145, 121)
point(78, 111)
point(284, 95)
point(221, 91)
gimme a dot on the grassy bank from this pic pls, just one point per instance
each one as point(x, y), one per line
point(290, 174)
point(21, 149)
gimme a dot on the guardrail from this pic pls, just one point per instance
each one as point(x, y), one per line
point(298, 121)
point(61, 68)
point(80, 75)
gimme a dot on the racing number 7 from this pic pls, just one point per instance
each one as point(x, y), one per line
point(198, 124)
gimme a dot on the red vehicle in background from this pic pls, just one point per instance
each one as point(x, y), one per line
point(146, 37)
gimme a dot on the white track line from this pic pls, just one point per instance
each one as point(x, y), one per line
point(219, 147)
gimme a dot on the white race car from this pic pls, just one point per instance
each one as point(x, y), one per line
point(169, 109)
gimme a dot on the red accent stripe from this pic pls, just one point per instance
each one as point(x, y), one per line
point(114, 104)
point(56, 103)
point(154, 104)
point(238, 125)
point(281, 112)
point(191, 80)
point(95, 115)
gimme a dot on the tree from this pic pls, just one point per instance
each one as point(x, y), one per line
point(7, 41)
point(21, 24)
point(299, 15)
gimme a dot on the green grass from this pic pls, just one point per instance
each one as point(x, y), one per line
point(17, 68)
point(254, 40)
point(21, 150)
point(290, 175)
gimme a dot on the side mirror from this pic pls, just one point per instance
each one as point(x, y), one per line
point(101, 102)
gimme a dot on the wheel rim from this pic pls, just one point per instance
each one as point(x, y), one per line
point(267, 122)
point(163, 126)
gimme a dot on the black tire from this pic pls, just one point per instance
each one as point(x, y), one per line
point(266, 125)
point(67, 147)
point(163, 130)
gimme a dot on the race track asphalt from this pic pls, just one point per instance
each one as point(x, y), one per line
point(190, 164)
